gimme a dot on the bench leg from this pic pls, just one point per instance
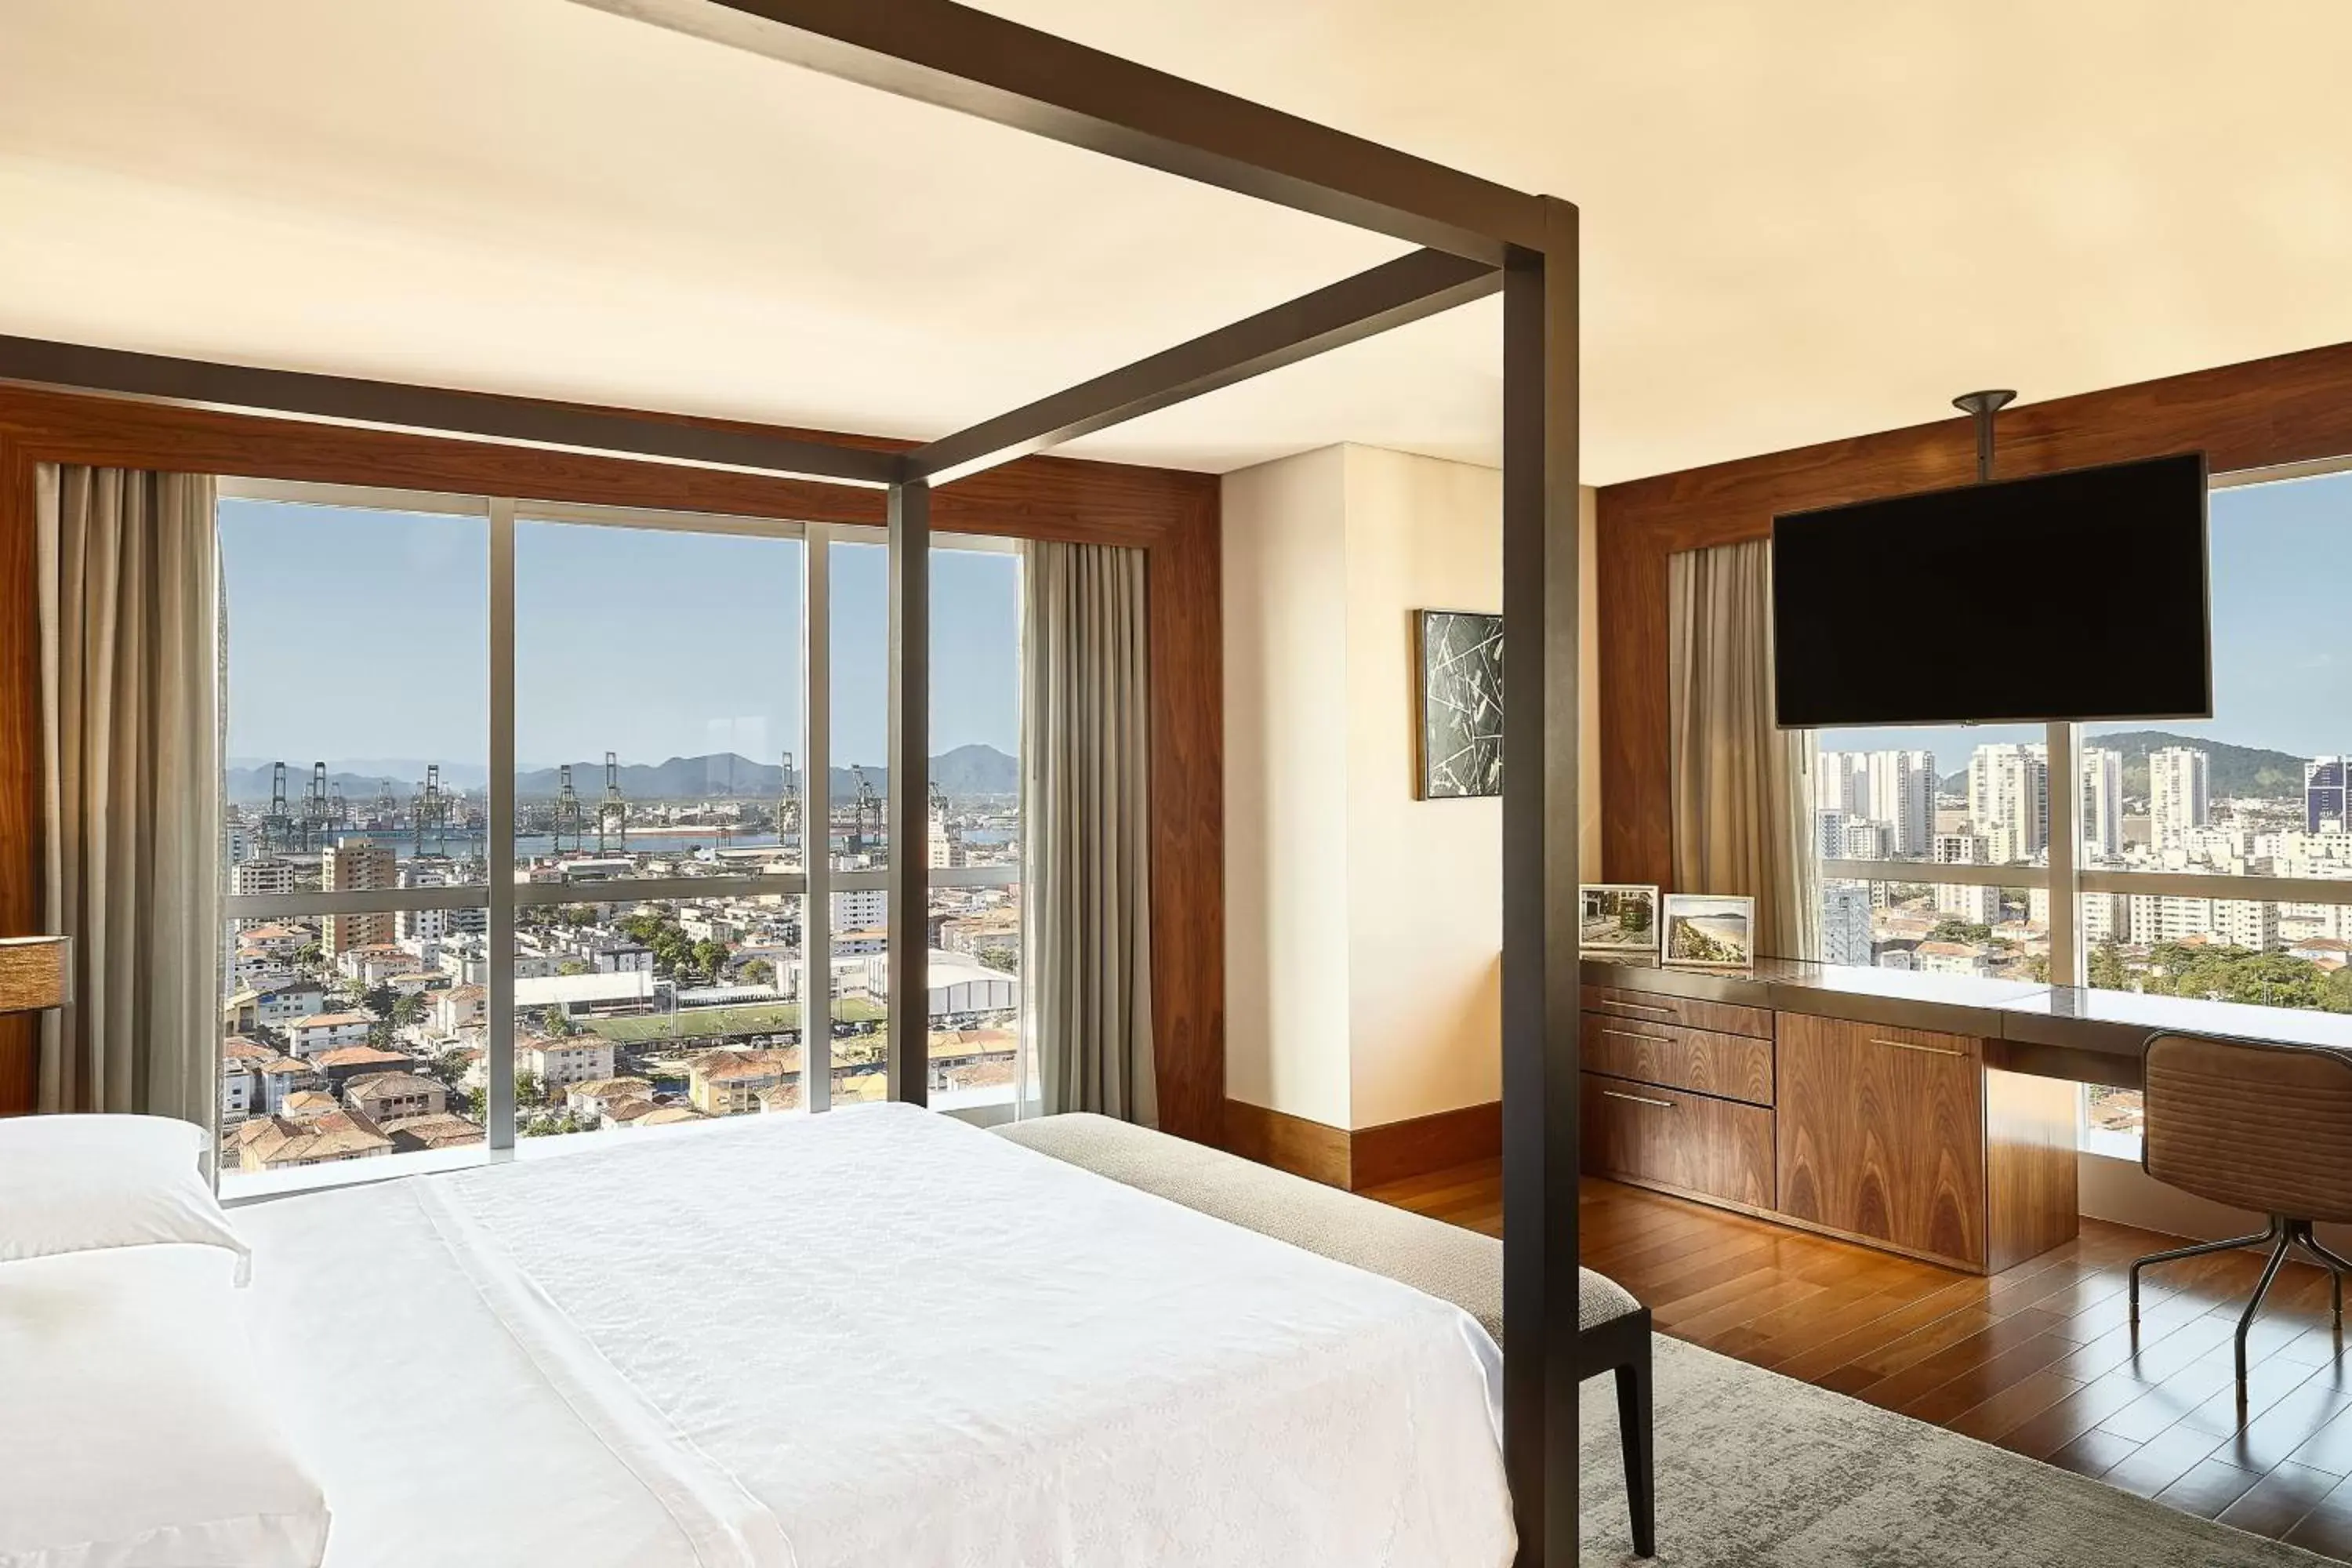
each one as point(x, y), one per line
point(1634, 1426)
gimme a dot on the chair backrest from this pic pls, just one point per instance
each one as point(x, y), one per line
point(2255, 1125)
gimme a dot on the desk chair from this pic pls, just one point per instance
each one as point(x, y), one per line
point(2256, 1126)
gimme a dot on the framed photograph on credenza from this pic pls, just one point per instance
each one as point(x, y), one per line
point(1617, 917)
point(1705, 930)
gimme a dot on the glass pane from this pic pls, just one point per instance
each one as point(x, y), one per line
point(975, 707)
point(2220, 950)
point(1974, 796)
point(1938, 928)
point(358, 644)
point(639, 1014)
point(973, 1008)
point(2260, 789)
point(657, 702)
point(347, 1038)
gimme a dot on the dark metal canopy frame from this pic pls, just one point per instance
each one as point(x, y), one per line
point(1479, 237)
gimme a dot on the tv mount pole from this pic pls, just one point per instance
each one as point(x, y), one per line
point(1982, 407)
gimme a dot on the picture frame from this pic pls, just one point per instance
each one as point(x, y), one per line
point(1709, 930)
point(1617, 917)
point(1458, 703)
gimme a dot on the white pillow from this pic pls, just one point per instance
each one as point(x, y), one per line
point(139, 1431)
point(77, 1184)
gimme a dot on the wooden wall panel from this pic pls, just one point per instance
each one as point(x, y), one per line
point(2291, 409)
point(1170, 515)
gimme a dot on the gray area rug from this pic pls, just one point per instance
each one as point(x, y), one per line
point(1758, 1470)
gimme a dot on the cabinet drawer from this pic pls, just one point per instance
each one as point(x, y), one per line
point(1731, 1067)
point(1658, 1008)
point(1690, 1142)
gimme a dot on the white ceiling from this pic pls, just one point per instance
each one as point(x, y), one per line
point(1802, 219)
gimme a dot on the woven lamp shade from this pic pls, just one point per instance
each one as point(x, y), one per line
point(34, 974)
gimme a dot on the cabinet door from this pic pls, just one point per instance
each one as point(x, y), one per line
point(1881, 1134)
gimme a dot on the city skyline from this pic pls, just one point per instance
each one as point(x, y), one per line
point(2280, 580)
point(701, 657)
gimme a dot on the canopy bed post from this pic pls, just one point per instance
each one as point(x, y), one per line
point(1541, 530)
point(910, 793)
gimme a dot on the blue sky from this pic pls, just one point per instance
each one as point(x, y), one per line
point(2282, 632)
point(360, 635)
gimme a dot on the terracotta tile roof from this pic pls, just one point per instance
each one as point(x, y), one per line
point(362, 1057)
point(380, 1084)
point(668, 1115)
point(445, 1131)
point(331, 1020)
point(337, 1135)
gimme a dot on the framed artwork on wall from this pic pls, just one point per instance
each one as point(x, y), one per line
point(1458, 661)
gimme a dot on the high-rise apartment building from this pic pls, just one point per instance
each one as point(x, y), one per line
point(2179, 795)
point(1900, 787)
point(356, 866)
point(2102, 815)
point(2008, 799)
point(2326, 808)
point(1845, 923)
point(1842, 783)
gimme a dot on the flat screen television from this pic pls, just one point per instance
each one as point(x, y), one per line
point(2078, 595)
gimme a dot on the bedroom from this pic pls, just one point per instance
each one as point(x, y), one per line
point(531, 905)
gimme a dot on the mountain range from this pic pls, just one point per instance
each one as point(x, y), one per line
point(2232, 770)
point(973, 770)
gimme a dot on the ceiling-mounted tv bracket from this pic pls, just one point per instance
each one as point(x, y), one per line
point(1983, 405)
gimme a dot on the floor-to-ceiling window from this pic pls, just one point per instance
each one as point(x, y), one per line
point(672, 908)
point(2215, 857)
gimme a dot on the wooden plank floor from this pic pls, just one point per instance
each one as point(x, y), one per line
point(2041, 1359)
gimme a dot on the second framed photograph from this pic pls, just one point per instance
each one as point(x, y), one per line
point(1705, 930)
point(1618, 917)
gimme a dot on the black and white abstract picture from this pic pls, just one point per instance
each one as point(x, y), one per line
point(1461, 704)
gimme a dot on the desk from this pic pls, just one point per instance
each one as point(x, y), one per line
point(1931, 1115)
point(2067, 1032)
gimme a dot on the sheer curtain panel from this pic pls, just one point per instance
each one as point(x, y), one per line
point(1085, 717)
point(1741, 795)
point(130, 600)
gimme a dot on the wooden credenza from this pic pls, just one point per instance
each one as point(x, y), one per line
point(1899, 1137)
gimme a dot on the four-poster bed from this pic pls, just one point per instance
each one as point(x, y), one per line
point(1479, 239)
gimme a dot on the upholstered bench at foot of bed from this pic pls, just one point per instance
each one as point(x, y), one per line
point(1439, 1260)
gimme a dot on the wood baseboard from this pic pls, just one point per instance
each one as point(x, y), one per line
point(1369, 1156)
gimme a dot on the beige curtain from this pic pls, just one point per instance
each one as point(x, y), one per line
point(1086, 968)
point(129, 586)
point(1741, 788)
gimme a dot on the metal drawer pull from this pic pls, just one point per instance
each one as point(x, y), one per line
point(1608, 1005)
point(1640, 1099)
point(1909, 1045)
point(1637, 1034)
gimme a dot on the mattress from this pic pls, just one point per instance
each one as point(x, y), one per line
point(872, 1337)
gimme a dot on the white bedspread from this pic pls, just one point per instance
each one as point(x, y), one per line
point(875, 1337)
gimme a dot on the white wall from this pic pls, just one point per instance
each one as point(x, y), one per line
point(1285, 645)
point(1424, 912)
point(1364, 927)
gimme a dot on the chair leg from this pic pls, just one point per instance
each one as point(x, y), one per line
point(2337, 1266)
point(1641, 1478)
point(2275, 1233)
point(2261, 1288)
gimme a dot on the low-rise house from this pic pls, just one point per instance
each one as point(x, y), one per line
point(441, 1130)
point(325, 1032)
point(373, 964)
point(558, 1061)
point(281, 1143)
point(730, 1082)
point(274, 1005)
point(389, 1096)
point(280, 1078)
point(590, 1100)
point(1949, 958)
point(341, 1067)
point(669, 1116)
point(460, 1007)
point(241, 1068)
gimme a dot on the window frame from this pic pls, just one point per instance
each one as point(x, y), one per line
point(502, 897)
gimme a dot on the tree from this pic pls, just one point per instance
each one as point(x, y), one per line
point(2108, 972)
point(408, 1009)
point(1965, 931)
point(759, 972)
point(1000, 958)
point(381, 999)
point(527, 1089)
point(572, 966)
